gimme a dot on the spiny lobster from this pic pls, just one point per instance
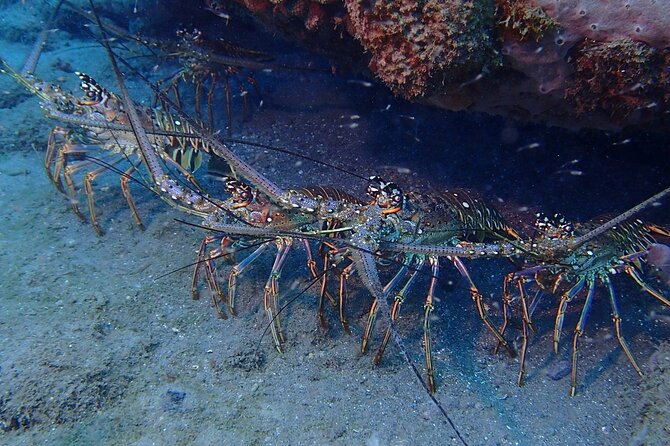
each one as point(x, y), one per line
point(87, 140)
point(420, 227)
point(283, 216)
point(564, 260)
point(203, 62)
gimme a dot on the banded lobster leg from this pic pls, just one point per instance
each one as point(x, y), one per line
point(526, 323)
point(519, 279)
point(206, 262)
point(579, 331)
point(344, 296)
point(428, 309)
point(645, 287)
point(616, 318)
point(366, 266)
point(332, 258)
point(239, 269)
point(330, 262)
point(199, 79)
point(372, 315)
point(566, 298)
point(271, 293)
point(398, 300)
point(311, 266)
point(57, 137)
point(85, 156)
point(481, 310)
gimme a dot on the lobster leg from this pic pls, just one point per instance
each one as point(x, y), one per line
point(213, 284)
point(636, 277)
point(311, 266)
point(395, 310)
point(175, 90)
point(288, 243)
point(562, 307)
point(198, 101)
point(207, 262)
point(617, 323)
point(88, 189)
point(344, 276)
point(271, 291)
point(525, 324)
point(579, 330)
point(324, 291)
point(72, 194)
point(125, 188)
point(210, 99)
point(372, 315)
point(327, 255)
point(477, 297)
point(70, 170)
point(428, 309)
point(239, 269)
point(195, 294)
point(57, 138)
point(520, 277)
point(229, 112)
point(507, 302)
point(660, 230)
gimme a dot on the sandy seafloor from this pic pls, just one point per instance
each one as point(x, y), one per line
point(96, 349)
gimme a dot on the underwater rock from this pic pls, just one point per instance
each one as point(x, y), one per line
point(416, 47)
point(559, 370)
point(570, 63)
point(173, 399)
point(659, 258)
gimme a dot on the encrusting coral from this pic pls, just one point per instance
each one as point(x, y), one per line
point(574, 63)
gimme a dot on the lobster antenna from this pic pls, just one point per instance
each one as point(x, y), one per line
point(35, 53)
point(149, 156)
point(616, 220)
